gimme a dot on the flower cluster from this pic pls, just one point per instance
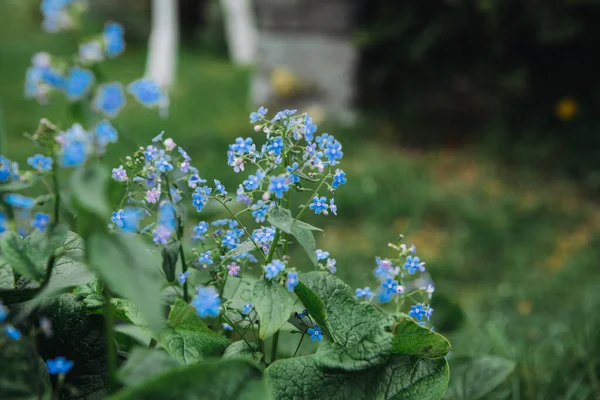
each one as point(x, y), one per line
point(60, 15)
point(394, 284)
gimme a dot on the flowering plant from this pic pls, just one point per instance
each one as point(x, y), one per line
point(206, 302)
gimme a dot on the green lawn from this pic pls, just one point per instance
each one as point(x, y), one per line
point(517, 250)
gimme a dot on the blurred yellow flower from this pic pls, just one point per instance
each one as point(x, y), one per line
point(524, 307)
point(284, 81)
point(566, 108)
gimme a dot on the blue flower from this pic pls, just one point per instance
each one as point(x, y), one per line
point(332, 206)
point(303, 314)
point(40, 162)
point(40, 222)
point(183, 277)
point(247, 308)
point(227, 327)
point(163, 165)
point(130, 218)
point(117, 218)
point(319, 205)
point(383, 296)
point(275, 146)
point(274, 268)
point(242, 145)
point(339, 178)
point(200, 230)
point(331, 262)
point(260, 210)
point(290, 169)
point(390, 286)
point(5, 169)
point(321, 255)
point(333, 151)
point(119, 174)
point(73, 154)
point(309, 129)
point(292, 281)
point(207, 302)
point(315, 333)
point(230, 240)
point(200, 197)
point(161, 235)
point(53, 78)
point(206, 258)
point(220, 188)
point(2, 222)
point(91, 52)
point(282, 114)
point(110, 99)
point(78, 82)
point(258, 115)
point(59, 366)
point(253, 181)
point(412, 264)
point(105, 133)
point(146, 91)
point(278, 185)
point(16, 200)
point(324, 139)
point(3, 312)
point(365, 292)
point(419, 312)
point(12, 332)
point(158, 137)
point(114, 43)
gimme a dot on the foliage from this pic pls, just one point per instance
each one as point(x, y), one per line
point(105, 246)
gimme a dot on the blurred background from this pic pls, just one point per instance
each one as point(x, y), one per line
point(470, 126)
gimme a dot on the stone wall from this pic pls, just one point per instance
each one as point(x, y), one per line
point(306, 58)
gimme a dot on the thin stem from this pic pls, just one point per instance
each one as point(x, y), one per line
point(236, 330)
point(110, 340)
point(301, 212)
point(243, 227)
point(186, 296)
point(299, 344)
point(55, 184)
point(274, 345)
point(273, 246)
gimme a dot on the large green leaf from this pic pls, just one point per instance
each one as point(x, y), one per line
point(23, 375)
point(7, 279)
point(23, 259)
point(187, 338)
point(17, 186)
point(412, 339)
point(145, 363)
point(89, 187)
point(78, 337)
point(273, 305)
point(337, 311)
point(243, 350)
point(129, 268)
point(209, 380)
point(401, 378)
point(281, 218)
point(170, 254)
point(474, 377)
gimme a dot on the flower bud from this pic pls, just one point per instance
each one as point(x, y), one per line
point(266, 196)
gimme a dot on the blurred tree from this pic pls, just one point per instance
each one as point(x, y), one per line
point(162, 46)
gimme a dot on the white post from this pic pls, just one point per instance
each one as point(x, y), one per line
point(241, 30)
point(162, 46)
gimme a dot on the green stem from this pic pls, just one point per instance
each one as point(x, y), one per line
point(56, 194)
point(236, 330)
point(305, 207)
point(110, 340)
point(243, 227)
point(273, 246)
point(186, 296)
point(299, 344)
point(274, 345)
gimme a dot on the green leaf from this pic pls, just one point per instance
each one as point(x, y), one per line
point(127, 265)
point(273, 304)
point(143, 364)
point(22, 373)
point(241, 350)
point(474, 377)
point(401, 378)
point(187, 338)
point(281, 218)
point(242, 248)
point(7, 279)
point(89, 189)
point(23, 259)
point(412, 339)
point(17, 186)
point(78, 337)
point(302, 175)
point(333, 305)
point(209, 380)
point(170, 254)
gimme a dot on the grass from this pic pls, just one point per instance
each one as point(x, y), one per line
point(518, 251)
